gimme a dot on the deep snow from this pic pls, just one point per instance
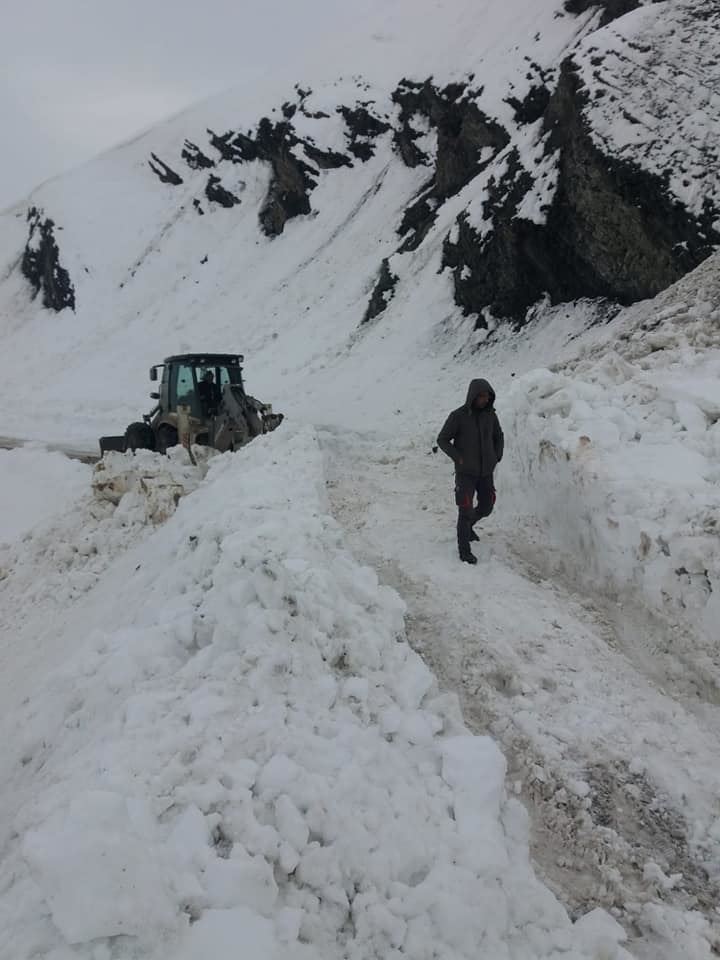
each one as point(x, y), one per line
point(34, 486)
point(163, 677)
point(306, 790)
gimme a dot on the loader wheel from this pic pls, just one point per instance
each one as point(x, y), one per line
point(167, 436)
point(139, 436)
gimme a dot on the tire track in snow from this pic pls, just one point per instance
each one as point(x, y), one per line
point(618, 774)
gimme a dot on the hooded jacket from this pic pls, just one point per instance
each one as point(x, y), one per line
point(473, 438)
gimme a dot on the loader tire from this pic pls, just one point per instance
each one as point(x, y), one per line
point(139, 436)
point(167, 436)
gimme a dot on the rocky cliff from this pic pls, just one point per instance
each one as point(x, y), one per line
point(593, 176)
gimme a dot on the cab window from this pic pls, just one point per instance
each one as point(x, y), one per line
point(182, 389)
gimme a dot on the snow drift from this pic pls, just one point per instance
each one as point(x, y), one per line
point(242, 752)
point(617, 451)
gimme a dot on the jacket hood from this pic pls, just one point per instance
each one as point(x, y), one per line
point(476, 387)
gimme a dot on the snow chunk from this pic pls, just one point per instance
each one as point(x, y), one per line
point(600, 935)
point(229, 934)
point(100, 876)
point(475, 768)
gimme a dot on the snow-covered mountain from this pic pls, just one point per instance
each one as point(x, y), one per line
point(225, 701)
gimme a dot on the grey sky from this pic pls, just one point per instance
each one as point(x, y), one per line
point(81, 75)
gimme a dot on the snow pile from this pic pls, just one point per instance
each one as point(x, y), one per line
point(241, 737)
point(148, 482)
point(36, 484)
point(99, 515)
point(618, 457)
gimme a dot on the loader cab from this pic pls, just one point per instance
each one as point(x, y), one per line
point(197, 381)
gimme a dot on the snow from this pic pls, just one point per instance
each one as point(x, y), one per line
point(621, 451)
point(36, 485)
point(220, 731)
point(117, 887)
point(669, 100)
point(271, 801)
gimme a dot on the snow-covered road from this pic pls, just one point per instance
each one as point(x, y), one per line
point(218, 739)
point(617, 764)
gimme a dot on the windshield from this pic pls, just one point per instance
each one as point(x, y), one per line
point(199, 386)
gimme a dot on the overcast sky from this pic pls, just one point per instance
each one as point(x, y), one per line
point(82, 75)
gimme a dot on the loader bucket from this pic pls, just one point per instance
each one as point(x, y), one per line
point(112, 443)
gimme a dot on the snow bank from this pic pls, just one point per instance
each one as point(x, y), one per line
point(618, 458)
point(114, 507)
point(242, 756)
point(35, 485)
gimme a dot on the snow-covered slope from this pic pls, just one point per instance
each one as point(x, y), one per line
point(237, 703)
point(507, 169)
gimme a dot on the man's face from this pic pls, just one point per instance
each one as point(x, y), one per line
point(482, 400)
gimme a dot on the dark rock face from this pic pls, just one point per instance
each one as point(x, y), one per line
point(292, 180)
point(612, 230)
point(531, 108)
point(326, 159)
point(296, 163)
point(227, 147)
point(404, 141)
point(195, 158)
point(612, 9)
point(41, 264)
point(216, 191)
point(164, 172)
point(382, 292)
point(363, 129)
point(464, 132)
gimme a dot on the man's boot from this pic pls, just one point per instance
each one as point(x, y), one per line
point(474, 538)
point(468, 557)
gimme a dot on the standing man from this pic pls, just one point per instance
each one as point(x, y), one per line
point(473, 438)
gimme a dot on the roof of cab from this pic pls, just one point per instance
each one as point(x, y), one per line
point(206, 358)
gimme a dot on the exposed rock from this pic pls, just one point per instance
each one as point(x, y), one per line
point(532, 107)
point(612, 9)
point(292, 182)
point(216, 192)
point(198, 207)
point(363, 129)
point(404, 141)
point(326, 159)
point(41, 264)
point(612, 230)
point(463, 130)
point(467, 140)
point(228, 148)
point(382, 293)
point(195, 158)
point(302, 97)
point(163, 171)
point(418, 219)
point(292, 179)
